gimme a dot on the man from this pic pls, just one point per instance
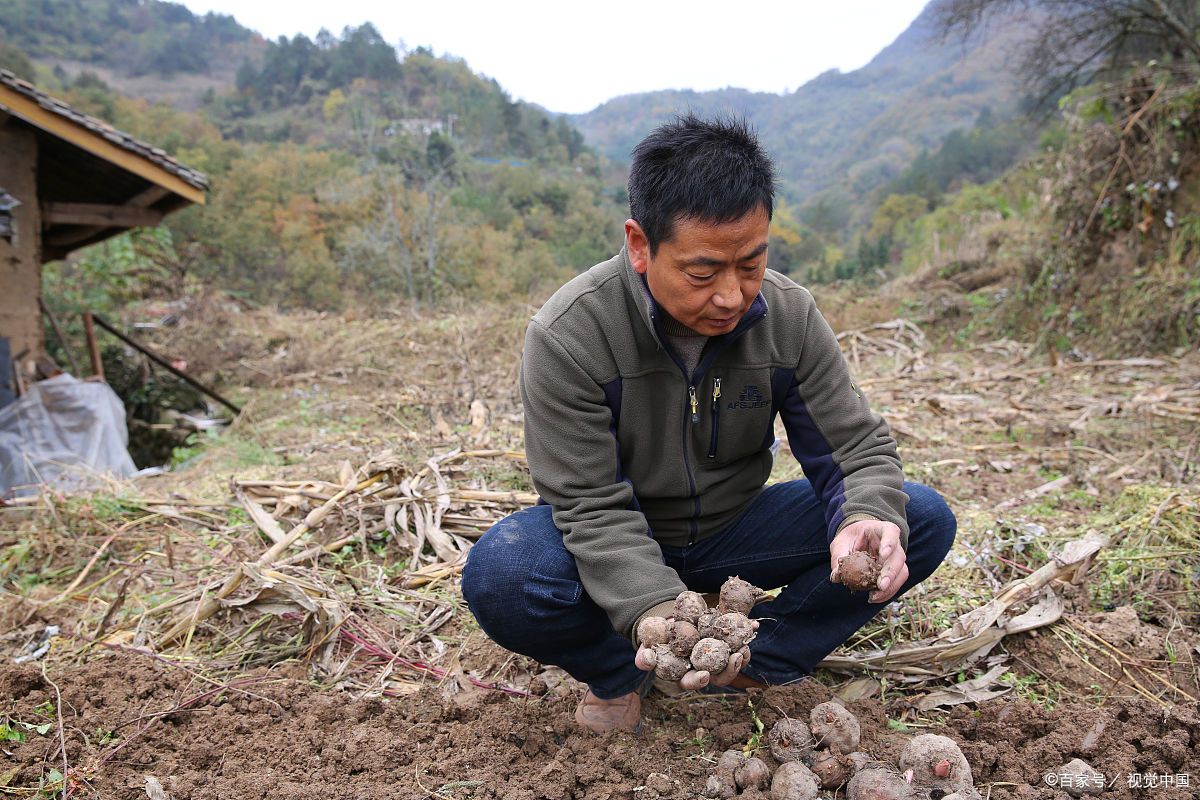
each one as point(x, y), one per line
point(651, 384)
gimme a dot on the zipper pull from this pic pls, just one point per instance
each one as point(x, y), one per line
point(695, 403)
point(716, 391)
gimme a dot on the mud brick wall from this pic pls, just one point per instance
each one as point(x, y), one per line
point(20, 259)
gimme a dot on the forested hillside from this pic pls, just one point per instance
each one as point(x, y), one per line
point(344, 171)
point(350, 173)
point(844, 142)
point(844, 132)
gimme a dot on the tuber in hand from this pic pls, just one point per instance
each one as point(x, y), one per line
point(696, 640)
point(737, 596)
point(858, 572)
point(711, 655)
point(689, 606)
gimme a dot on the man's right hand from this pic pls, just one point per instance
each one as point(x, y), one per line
point(695, 680)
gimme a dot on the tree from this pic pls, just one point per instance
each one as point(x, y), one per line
point(1071, 42)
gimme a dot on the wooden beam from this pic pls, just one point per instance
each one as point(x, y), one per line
point(70, 131)
point(147, 197)
point(59, 244)
point(89, 333)
point(108, 216)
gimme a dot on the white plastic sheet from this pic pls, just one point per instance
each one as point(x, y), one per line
point(65, 433)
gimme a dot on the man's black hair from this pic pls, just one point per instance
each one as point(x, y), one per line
point(711, 170)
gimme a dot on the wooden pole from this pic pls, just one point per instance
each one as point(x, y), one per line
point(162, 362)
point(62, 340)
point(93, 351)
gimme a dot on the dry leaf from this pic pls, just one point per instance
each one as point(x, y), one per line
point(975, 690)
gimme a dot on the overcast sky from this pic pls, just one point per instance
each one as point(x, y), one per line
point(572, 56)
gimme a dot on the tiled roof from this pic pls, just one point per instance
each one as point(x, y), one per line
point(101, 128)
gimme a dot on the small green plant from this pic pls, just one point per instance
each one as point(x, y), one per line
point(755, 740)
point(8, 733)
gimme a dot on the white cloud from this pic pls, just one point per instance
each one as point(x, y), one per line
point(573, 56)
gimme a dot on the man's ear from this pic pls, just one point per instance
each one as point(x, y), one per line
point(638, 246)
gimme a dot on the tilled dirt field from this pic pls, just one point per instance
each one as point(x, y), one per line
point(127, 717)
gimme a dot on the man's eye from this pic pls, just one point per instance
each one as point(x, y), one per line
point(750, 268)
point(696, 277)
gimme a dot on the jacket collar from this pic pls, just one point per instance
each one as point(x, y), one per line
point(651, 316)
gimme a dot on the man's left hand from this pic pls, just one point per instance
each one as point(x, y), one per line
point(880, 539)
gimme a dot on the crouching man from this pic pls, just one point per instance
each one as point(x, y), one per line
point(651, 386)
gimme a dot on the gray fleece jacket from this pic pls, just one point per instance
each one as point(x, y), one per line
point(631, 451)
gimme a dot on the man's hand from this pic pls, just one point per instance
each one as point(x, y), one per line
point(698, 679)
point(880, 539)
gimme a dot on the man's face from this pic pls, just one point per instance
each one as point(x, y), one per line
point(706, 275)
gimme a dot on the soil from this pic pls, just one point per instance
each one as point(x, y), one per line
point(274, 734)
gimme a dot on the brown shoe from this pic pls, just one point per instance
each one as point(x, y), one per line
point(622, 713)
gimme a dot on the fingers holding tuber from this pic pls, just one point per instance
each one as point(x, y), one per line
point(669, 666)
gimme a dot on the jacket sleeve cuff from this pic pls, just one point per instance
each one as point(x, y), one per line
point(855, 518)
point(663, 609)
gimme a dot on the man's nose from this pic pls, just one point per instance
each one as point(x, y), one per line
point(729, 293)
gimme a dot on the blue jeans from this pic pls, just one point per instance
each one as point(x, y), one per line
point(522, 585)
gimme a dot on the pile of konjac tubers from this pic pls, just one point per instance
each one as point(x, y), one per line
point(823, 755)
point(696, 637)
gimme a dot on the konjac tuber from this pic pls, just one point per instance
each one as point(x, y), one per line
point(671, 646)
point(689, 606)
point(794, 781)
point(668, 666)
point(711, 655)
point(859, 571)
point(937, 763)
point(737, 596)
point(653, 630)
point(735, 629)
point(790, 740)
point(834, 728)
point(683, 638)
point(832, 769)
point(881, 784)
point(754, 774)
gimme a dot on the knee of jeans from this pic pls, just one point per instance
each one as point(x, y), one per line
point(506, 579)
point(932, 525)
point(488, 573)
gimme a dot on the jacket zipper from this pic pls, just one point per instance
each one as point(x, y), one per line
point(716, 417)
point(693, 402)
point(693, 525)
